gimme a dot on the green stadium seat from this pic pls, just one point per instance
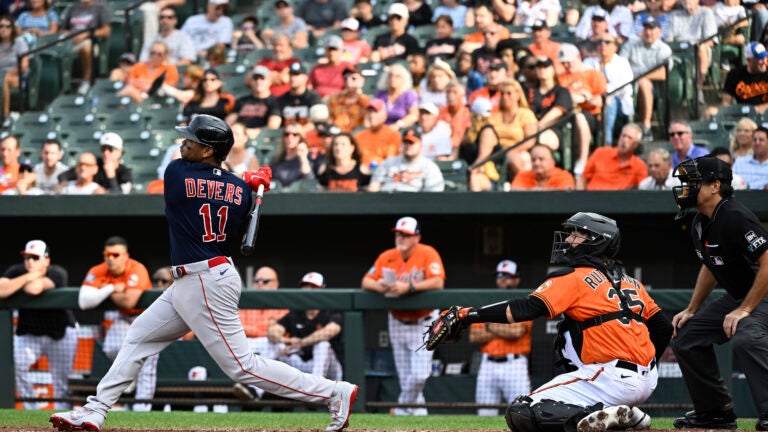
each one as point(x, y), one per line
point(32, 120)
point(254, 57)
point(124, 119)
point(729, 115)
point(106, 86)
point(160, 119)
point(108, 103)
point(232, 69)
point(64, 105)
point(709, 134)
point(455, 174)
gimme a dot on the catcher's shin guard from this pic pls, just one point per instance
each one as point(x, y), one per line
point(545, 416)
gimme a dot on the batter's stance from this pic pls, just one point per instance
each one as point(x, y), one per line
point(205, 207)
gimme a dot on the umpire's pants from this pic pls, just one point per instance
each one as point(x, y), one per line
point(694, 348)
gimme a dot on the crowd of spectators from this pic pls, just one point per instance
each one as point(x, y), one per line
point(457, 81)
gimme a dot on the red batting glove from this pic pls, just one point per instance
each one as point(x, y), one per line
point(262, 176)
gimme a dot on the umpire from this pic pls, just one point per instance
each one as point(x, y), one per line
point(731, 244)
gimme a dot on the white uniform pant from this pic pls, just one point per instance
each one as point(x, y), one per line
point(497, 381)
point(27, 349)
point(206, 303)
point(146, 382)
point(413, 367)
point(600, 382)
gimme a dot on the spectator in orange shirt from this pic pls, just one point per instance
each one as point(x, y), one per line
point(497, 73)
point(255, 323)
point(10, 151)
point(543, 175)
point(378, 141)
point(543, 46)
point(482, 17)
point(347, 108)
point(456, 113)
point(123, 280)
point(586, 87)
point(142, 75)
point(615, 168)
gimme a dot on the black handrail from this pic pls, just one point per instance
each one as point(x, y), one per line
point(23, 84)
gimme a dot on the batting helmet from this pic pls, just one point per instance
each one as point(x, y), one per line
point(602, 238)
point(209, 131)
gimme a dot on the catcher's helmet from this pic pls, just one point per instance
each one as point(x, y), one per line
point(209, 131)
point(603, 238)
point(692, 173)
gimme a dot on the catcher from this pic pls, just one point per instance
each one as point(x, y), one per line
point(608, 344)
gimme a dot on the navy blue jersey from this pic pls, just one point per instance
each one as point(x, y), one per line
point(205, 207)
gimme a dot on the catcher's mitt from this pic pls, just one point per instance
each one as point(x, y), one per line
point(447, 328)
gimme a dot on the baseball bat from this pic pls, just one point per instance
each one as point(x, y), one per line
point(248, 244)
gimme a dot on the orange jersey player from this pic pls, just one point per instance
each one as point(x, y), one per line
point(608, 343)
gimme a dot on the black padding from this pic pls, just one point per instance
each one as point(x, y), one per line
point(546, 416)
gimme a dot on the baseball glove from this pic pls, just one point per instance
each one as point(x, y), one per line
point(447, 328)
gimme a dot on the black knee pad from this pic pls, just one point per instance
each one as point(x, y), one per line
point(546, 416)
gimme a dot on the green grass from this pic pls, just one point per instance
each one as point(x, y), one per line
point(289, 421)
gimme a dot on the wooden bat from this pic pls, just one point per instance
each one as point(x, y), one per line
point(248, 244)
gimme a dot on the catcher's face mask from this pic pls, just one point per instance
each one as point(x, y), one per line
point(687, 193)
point(566, 244)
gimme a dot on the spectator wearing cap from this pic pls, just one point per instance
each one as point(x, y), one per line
point(355, 50)
point(327, 76)
point(444, 45)
point(542, 45)
point(452, 9)
point(402, 103)
point(410, 171)
point(10, 152)
point(377, 141)
point(528, 12)
point(503, 373)
point(482, 16)
point(287, 24)
point(409, 267)
point(279, 63)
point(435, 133)
point(310, 340)
point(319, 130)
point(396, 44)
point(124, 65)
point(343, 169)
point(248, 36)
point(586, 87)
point(513, 121)
point(599, 27)
point(543, 175)
point(81, 181)
point(181, 48)
point(693, 24)
point(497, 72)
point(456, 113)
point(80, 16)
point(433, 88)
point(143, 75)
point(322, 15)
point(347, 108)
point(754, 168)
point(420, 13)
point(259, 109)
point(211, 28)
point(648, 53)
point(657, 12)
point(112, 175)
point(362, 11)
point(747, 84)
point(294, 105)
point(549, 101)
point(618, 17)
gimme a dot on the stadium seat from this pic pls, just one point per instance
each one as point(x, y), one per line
point(709, 134)
point(232, 69)
point(124, 119)
point(32, 120)
point(64, 105)
point(160, 119)
point(455, 174)
point(729, 115)
point(106, 86)
point(111, 102)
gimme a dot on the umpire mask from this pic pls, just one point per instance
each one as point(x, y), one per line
point(692, 174)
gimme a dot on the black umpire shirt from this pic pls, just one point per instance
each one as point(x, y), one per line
point(43, 322)
point(729, 245)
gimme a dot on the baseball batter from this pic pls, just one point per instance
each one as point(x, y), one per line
point(609, 341)
point(205, 208)
point(408, 268)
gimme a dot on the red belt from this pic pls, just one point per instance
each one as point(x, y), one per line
point(197, 267)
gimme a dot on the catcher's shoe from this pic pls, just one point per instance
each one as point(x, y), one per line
point(716, 419)
point(340, 405)
point(615, 417)
point(79, 419)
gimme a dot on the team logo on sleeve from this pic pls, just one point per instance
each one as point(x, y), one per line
point(133, 280)
point(90, 277)
point(434, 268)
point(372, 270)
point(750, 236)
point(544, 286)
point(717, 260)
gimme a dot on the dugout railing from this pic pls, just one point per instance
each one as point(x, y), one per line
point(360, 310)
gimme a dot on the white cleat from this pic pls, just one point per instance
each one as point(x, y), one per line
point(79, 419)
point(615, 417)
point(340, 405)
